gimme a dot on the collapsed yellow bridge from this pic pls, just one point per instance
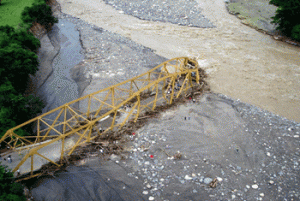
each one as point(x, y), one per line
point(59, 131)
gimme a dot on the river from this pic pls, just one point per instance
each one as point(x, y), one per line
point(241, 62)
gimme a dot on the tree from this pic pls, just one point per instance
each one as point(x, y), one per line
point(287, 17)
point(16, 109)
point(9, 190)
point(16, 65)
point(19, 36)
point(39, 12)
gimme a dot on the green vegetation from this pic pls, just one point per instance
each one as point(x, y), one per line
point(18, 60)
point(39, 12)
point(9, 191)
point(10, 11)
point(288, 17)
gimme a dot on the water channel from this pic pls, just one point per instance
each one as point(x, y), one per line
point(241, 62)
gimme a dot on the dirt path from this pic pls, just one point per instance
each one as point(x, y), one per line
point(242, 63)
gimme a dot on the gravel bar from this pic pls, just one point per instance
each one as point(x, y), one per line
point(182, 12)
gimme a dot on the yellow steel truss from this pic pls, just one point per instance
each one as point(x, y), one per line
point(69, 121)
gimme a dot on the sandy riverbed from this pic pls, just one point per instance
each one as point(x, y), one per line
point(241, 62)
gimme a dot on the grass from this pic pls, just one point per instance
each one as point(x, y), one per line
point(10, 11)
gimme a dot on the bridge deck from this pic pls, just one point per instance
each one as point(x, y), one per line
point(60, 131)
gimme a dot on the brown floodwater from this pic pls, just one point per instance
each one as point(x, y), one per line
point(241, 62)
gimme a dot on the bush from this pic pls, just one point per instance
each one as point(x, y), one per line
point(296, 32)
point(9, 190)
point(287, 16)
point(21, 37)
point(16, 109)
point(17, 64)
point(26, 40)
point(40, 13)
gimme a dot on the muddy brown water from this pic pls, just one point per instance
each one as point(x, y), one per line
point(241, 62)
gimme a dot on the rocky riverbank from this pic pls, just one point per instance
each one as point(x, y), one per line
point(257, 14)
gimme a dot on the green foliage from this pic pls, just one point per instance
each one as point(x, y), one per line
point(7, 29)
point(20, 36)
point(16, 109)
point(296, 32)
point(26, 40)
point(9, 190)
point(38, 12)
point(17, 64)
point(287, 16)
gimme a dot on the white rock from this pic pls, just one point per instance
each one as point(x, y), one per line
point(268, 154)
point(219, 179)
point(148, 186)
point(145, 192)
point(296, 136)
point(262, 194)
point(147, 163)
point(207, 180)
point(247, 186)
point(187, 177)
point(255, 186)
point(162, 179)
point(193, 175)
point(232, 196)
point(271, 182)
point(151, 198)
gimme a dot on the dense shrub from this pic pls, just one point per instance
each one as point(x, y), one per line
point(20, 36)
point(9, 190)
point(296, 32)
point(17, 62)
point(7, 29)
point(287, 17)
point(16, 65)
point(16, 108)
point(26, 40)
point(40, 13)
